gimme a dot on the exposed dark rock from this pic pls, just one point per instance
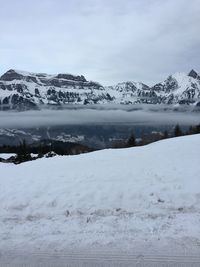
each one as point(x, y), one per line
point(193, 74)
point(24, 90)
point(11, 75)
point(71, 77)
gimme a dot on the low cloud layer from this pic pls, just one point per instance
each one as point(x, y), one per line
point(108, 41)
point(9, 119)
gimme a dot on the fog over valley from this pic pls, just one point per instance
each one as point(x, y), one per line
point(122, 115)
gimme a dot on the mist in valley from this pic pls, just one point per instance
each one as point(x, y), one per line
point(104, 115)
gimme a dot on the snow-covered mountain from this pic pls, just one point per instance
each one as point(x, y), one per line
point(19, 89)
point(179, 88)
point(129, 92)
point(25, 89)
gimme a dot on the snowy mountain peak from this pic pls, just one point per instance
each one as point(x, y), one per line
point(179, 88)
point(193, 74)
point(130, 86)
point(14, 74)
point(11, 75)
point(20, 89)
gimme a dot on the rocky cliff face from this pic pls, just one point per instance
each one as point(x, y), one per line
point(22, 90)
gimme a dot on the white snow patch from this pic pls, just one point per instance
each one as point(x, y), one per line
point(6, 155)
point(106, 198)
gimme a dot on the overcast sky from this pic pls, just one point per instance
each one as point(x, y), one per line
point(106, 40)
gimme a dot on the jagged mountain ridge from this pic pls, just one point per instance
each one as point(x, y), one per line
point(19, 89)
point(179, 89)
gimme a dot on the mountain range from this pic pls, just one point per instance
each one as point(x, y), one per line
point(26, 90)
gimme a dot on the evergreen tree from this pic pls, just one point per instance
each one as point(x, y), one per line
point(131, 141)
point(197, 129)
point(23, 153)
point(177, 131)
point(190, 130)
point(166, 134)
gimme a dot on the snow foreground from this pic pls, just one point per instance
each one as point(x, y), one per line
point(112, 198)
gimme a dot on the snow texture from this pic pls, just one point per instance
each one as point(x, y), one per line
point(110, 198)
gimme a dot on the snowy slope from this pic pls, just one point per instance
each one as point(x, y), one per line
point(106, 198)
point(129, 92)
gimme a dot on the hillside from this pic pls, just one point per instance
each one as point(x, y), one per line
point(112, 198)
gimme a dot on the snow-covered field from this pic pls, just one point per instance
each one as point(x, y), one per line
point(120, 198)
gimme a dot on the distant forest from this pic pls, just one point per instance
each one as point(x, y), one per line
point(49, 148)
point(156, 136)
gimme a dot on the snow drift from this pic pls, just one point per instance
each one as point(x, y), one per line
point(106, 198)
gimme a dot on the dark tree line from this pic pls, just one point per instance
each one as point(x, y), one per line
point(24, 152)
point(177, 131)
point(149, 138)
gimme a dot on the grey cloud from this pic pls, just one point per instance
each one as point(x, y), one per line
point(108, 41)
